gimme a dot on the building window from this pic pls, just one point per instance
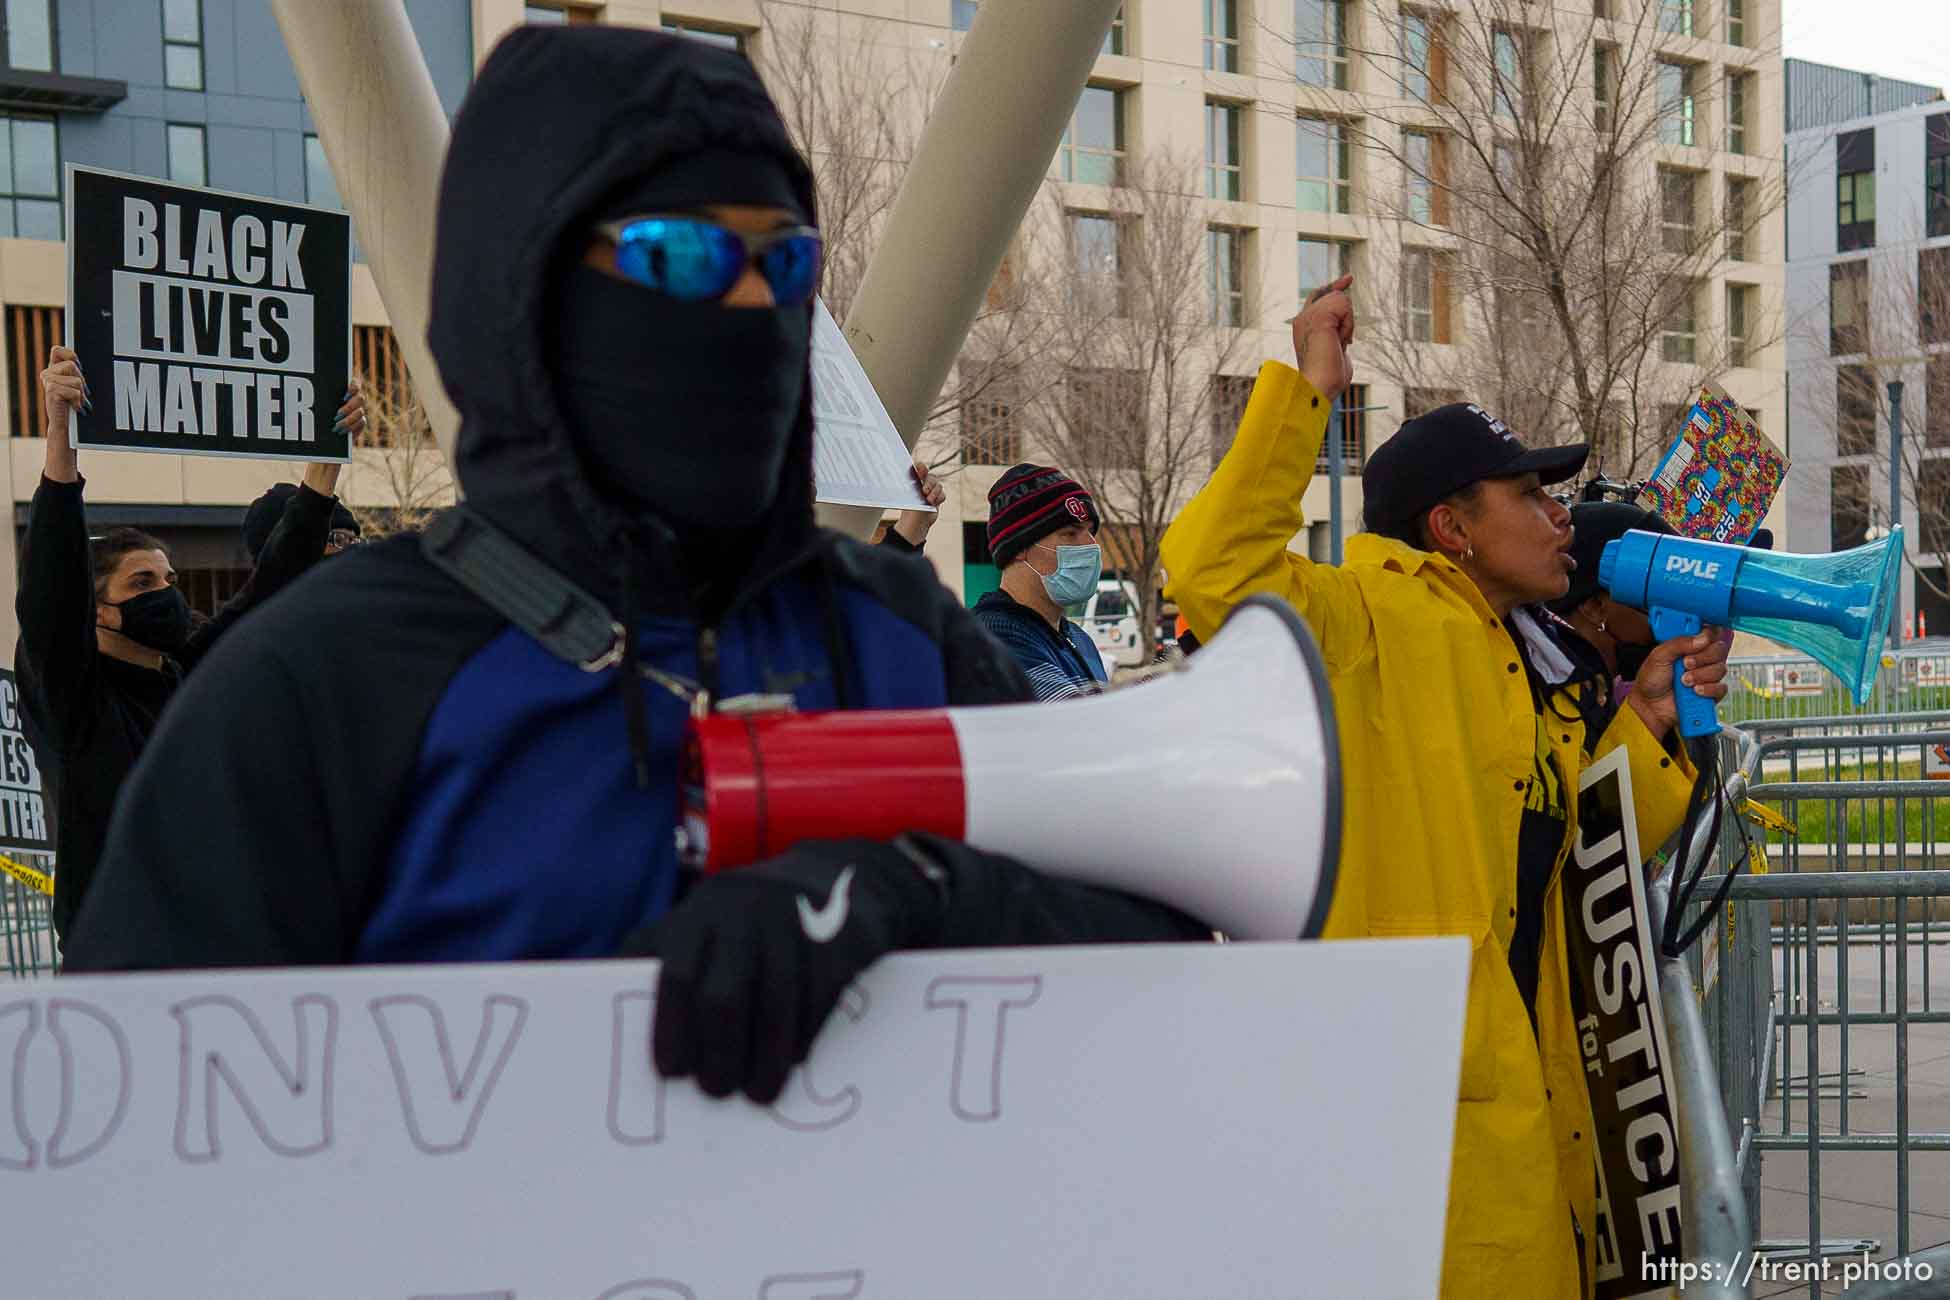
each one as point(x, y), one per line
point(1423, 158)
point(1855, 190)
point(725, 38)
point(1739, 204)
point(1678, 227)
point(1933, 295)
point(1421, 75)
point(1936, 176)
point(1855, 411)
point(1094, 262)
point(1679, 333)
point(989, 433)
point(1225, 250)
point(1739, 324)
point(1425, 297)
point(1224, 174)
point(321, 187)
point(1933, 498)
point(1678, 104)
point(377, 361)
point(1603, 91)
point(1676, 17)
point(1936, 404)
point(1354, 433)
point(1848, 506)
point(32, 169)
point(1114, 39)
point(1222, 35)
point(186, 156)
point(1320, 43)
point(1507, 89)
point(1323, 261)
point(1739, 85)
point(962, 14)
point(1848, 307)
point(1092, 152)
point(182, 44)
point(1322, 161)
point(1104, 414)
point(31, 333)
point(1736, 22)
point(1230, 393)
point(30, 35)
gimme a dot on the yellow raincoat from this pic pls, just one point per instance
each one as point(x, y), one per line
point(1439, 743)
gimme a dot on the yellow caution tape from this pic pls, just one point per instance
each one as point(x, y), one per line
point(1767, 818)
point(1765, 692)
point(1757, 861)
point(37, 880)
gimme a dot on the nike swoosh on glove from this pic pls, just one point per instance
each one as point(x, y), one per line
point(754, 960)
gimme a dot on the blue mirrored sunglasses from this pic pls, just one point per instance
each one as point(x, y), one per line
point(694, 260)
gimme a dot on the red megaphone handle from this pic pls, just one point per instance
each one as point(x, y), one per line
point(756, 784)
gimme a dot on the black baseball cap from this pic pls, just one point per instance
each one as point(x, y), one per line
point(1441, 452)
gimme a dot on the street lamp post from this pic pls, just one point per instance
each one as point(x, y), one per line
point(1896, 501)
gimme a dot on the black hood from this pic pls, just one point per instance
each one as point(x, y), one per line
point(560, 118)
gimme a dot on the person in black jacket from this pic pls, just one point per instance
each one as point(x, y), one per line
point(426, 758)
point(106, 637)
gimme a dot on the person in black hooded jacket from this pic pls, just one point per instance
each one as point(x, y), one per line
point(622, 314)
point(106, 638)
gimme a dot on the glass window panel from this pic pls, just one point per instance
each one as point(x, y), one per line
point(186, 155)
point(7, 162)
point(710, 36)
point(1096, 124)
point(1321, 262)
point(1507, 71)
point(182, 20)
point(6, 218)
point(1320, 42)
point(321, 187)
point(35, 169)
point(1420, 187)
point(1415, 55)
point(183, 67)
point(38, 219)
point(1114, 38)
point(963, 15)
point(30, 35)
point(546, 16)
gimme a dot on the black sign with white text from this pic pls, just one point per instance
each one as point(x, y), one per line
point(1622, 1036)
point(207, 323)
point(23, 810)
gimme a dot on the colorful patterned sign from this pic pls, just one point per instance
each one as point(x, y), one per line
point(1719, 476)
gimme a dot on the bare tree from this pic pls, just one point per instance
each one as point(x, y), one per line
point(397, 465)
point(1878, 333)
point(855, 100)
point(1142, 324)
point(1564, 270)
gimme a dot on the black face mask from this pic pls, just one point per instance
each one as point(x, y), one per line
point(1632, 656)
point(159, 619)
point(681, 410)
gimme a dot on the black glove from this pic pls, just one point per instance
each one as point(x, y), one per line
point(755, 959)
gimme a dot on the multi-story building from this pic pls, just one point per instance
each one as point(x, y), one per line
point(1306, 166)
point(1868, 276)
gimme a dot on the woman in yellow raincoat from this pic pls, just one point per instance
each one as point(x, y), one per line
point(1464, 724)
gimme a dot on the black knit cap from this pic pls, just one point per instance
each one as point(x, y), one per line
point(1028, 503)
point(264, 513)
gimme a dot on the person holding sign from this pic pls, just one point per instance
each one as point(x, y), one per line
point(105, 636)
point(465, 746)
point(1466, 725)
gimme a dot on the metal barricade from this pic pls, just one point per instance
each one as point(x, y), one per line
point(1821, 967)
point(26, 924)
point(1774, 688)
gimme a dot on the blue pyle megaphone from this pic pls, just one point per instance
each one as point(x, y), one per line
point(1835, 607)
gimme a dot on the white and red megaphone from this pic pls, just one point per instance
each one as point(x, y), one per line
point(1215, 790)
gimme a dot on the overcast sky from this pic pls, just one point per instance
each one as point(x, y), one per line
point(1905, 39)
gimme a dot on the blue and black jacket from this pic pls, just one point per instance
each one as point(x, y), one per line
point(379, 767)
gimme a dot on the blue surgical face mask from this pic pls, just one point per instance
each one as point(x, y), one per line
point(1077, 571)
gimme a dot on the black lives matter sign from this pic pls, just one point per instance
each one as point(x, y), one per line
point(23, 812)
point(208, 323)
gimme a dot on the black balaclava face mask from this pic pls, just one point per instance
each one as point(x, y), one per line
point(159, 619)
point(681, 410)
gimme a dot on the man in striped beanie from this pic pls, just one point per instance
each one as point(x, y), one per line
point(1043, 536)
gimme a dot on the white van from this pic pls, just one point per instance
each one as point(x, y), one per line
point(1111, 619)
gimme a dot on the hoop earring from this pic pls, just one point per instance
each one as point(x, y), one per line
point(1469, 554)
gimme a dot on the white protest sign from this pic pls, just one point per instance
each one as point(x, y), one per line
point(1191, 1121)
point(858, 456)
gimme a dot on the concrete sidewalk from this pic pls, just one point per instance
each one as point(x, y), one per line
point(1858, 1189)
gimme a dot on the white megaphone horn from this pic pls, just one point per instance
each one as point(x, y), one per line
point(1216, 790)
